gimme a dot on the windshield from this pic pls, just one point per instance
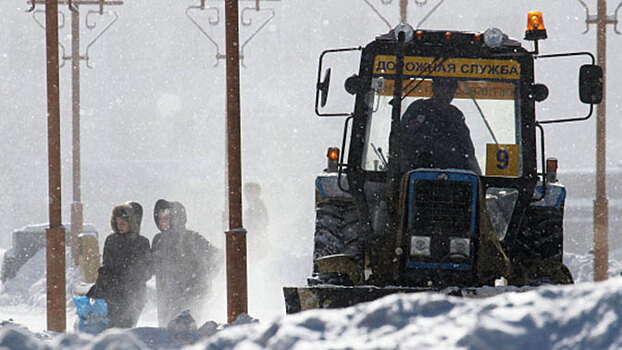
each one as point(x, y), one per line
point(456, 113)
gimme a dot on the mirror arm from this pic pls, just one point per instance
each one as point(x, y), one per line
point(543, 163)
point(589, 114)
point(583, 53)
point(319, 79)
point(568, 54)
point(343, 147)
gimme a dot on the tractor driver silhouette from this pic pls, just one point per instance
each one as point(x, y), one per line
point(434, 132)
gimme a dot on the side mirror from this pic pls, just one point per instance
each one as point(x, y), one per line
point(353, 84)
point(591, 84)
point(322, 87)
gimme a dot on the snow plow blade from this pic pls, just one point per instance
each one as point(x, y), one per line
point(333, 296)
point(299, 299)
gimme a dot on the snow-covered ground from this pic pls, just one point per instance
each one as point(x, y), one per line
point(586, 315)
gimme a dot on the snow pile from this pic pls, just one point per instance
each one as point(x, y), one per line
point(582, 266)
point(29, 285)
point(544, 318)
point(548, 317)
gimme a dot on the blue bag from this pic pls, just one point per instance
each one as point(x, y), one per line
point(93, 314)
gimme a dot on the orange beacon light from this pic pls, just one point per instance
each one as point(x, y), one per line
point(535, 26)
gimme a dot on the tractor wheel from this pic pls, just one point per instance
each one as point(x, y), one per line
point(539, 272)
point(337, 230)
point(543, 236)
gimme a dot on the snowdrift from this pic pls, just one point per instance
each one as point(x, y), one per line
point(586, 315)
point(583, 316)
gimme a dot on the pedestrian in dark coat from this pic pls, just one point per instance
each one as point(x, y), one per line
point(184, 263)
point(126, 267)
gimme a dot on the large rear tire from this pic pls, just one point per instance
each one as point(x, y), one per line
point(543, 236)
point(337, 230)
point(537, 252)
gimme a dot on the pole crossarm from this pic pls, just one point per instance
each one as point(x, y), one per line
point(593, 19)
point(81, 2)
point(256, 9)
point(403, 10)
point(61, 25)
point(90, 24)
point(211, 20)
point(378, 12)
point(214, 19)
point(115, 17)
point(429, 14)
point(72, 4)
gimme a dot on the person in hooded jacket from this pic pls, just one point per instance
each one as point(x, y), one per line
point(184, 263)
point(126, 267)
point(256, 221)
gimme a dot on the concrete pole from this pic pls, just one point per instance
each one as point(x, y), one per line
point(55, 234)
point(237, 300)
point(403, 11)
point(76, 206)
point(601, 204)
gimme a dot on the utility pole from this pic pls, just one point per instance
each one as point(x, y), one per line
point(76, 205)
point(55, 234)
point(235, 236)
point(403, 11)
point(75, 57)
point(601, 203)
point(237, 299)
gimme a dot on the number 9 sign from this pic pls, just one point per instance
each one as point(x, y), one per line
point(501, 160)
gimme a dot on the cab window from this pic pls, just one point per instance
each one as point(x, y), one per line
point(460, 114)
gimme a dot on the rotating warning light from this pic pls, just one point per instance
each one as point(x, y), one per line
point(535, 26)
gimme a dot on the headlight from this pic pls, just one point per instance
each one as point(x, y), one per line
point(493, 37)
point(460, 245)
point(419, 245)
point(409, 32)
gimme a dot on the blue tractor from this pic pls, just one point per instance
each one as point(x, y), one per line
point(436, 185)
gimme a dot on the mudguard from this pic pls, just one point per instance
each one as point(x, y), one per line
point(327, 187)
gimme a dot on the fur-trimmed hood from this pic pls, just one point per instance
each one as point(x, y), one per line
point(178, 216)
point(134, 212)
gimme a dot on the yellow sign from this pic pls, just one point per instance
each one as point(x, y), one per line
point(480, 89)
point(449, 67)
point(501, 160)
